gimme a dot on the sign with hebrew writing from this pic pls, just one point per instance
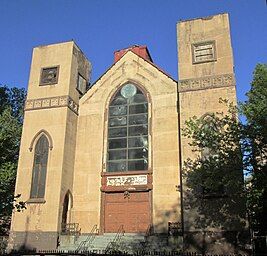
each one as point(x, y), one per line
point(127, 180)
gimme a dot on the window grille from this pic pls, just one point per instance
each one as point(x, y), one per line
point(128, 131)
point(49, 75)
point(39, 168)
point(203, 52)
point(81, 84)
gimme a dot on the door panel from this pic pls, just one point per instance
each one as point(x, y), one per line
point(132, 211)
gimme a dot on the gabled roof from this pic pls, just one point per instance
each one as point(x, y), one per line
point(140, 50)
point(151, 63)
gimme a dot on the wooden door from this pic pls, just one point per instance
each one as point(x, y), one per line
point(130, 210)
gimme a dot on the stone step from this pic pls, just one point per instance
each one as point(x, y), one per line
point(128, 243)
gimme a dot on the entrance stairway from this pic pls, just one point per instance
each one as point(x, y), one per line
point(104, 242)
point(128, 242)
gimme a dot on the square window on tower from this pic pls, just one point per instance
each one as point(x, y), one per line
point(49, 75)
point(81, 84)
point(203, 52)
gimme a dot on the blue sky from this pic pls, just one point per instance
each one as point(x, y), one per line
point(100, 27)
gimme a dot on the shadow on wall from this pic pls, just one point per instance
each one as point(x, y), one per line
point(169, 216)
point(24, 246)
point(158, 237)
point(214, 206)
point(214, 213)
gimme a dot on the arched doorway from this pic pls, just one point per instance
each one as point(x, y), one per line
point(66, 211)
point(127, 181)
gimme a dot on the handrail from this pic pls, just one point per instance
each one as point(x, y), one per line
point(115, 242)
point(149, 231)
point(89, 239)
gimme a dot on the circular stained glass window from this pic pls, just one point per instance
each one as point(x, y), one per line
point(128, 91)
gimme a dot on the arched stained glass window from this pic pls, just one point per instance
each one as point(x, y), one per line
point(128, 131)
point(39, 168)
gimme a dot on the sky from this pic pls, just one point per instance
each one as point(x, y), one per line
point(100, 27)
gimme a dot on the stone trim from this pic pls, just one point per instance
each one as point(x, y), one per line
point(103, 174)
point(35, 201)
point(52, 102)
point(208, 82)
point(38, 135)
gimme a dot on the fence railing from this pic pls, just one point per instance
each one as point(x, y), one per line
point(175, 228)
point(105, 253)
point(70, 229)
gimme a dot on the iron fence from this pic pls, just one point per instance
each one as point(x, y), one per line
point(119, 253)
point(70, 229)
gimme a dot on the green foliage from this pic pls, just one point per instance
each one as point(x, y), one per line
point(255, 111)
point(13, 98)
point(255, 107)
point(217, 168)
point(213, 178)
point(10, 131)
point(225, 147)
point(11, 116)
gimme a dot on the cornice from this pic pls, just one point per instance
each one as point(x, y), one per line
point(208, 82)
point(52, 102)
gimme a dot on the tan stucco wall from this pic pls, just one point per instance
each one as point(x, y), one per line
point(41, 216)
point(49, 56)
point(200, 88)
point(163, 141)
point(60, 122)
point(198, 103)
point(201, 30)
point(202, 85)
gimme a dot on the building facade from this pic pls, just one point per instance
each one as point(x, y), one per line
point(111, 155)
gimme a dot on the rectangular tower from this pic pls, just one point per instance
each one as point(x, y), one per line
point(205, 68)
point(58, 77)
point(206, 74)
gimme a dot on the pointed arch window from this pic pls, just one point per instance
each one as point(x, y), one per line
point(39, 168)
point(209, 155)
point(128, 131)
point(208, 128)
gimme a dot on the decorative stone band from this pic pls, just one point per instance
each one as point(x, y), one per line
point(207, 82)
point(53, 102)
point(127, 180)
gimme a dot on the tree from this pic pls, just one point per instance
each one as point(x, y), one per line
point(213, 179)
point(11, 117)
point(226, 146)
point(216, 139)
point(255, 111)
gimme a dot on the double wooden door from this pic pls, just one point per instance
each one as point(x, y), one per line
point(132, 210)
